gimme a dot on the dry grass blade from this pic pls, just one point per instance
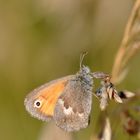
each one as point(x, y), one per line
point(106, 131)
point(130, 43)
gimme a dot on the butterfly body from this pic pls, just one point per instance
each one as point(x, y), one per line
point(67, 101)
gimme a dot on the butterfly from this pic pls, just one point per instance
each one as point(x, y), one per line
point(67, 100)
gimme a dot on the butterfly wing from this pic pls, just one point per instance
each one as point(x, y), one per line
point(73, 107)
point(40, 103)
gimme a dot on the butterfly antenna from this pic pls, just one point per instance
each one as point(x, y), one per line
point(82, 58)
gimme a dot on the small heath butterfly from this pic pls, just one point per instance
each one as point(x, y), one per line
point(66, 100)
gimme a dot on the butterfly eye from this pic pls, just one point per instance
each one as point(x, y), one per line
point(37, 104)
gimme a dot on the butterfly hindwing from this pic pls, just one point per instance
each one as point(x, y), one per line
point(73, 107)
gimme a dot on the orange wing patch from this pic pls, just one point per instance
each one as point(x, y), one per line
point(49, 97)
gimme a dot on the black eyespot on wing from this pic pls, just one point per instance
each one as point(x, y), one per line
point(38, 104)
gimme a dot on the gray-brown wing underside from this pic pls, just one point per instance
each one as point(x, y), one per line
point(73, 107)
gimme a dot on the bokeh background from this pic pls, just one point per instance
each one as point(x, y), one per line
point(41, 40)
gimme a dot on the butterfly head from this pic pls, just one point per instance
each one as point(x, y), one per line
point(84, 69)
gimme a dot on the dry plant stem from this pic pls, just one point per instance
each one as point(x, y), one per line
point(132, 52)
point(117, 67)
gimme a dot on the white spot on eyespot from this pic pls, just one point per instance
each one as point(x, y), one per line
point(68, 111)
point(37, 104)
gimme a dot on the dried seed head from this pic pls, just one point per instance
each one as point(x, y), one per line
point(107, 92)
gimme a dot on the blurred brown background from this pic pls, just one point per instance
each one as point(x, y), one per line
point(42, 40)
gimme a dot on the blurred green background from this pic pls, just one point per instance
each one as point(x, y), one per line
point(41, 40)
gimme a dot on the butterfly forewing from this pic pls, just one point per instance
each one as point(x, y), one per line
point(41, 102)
